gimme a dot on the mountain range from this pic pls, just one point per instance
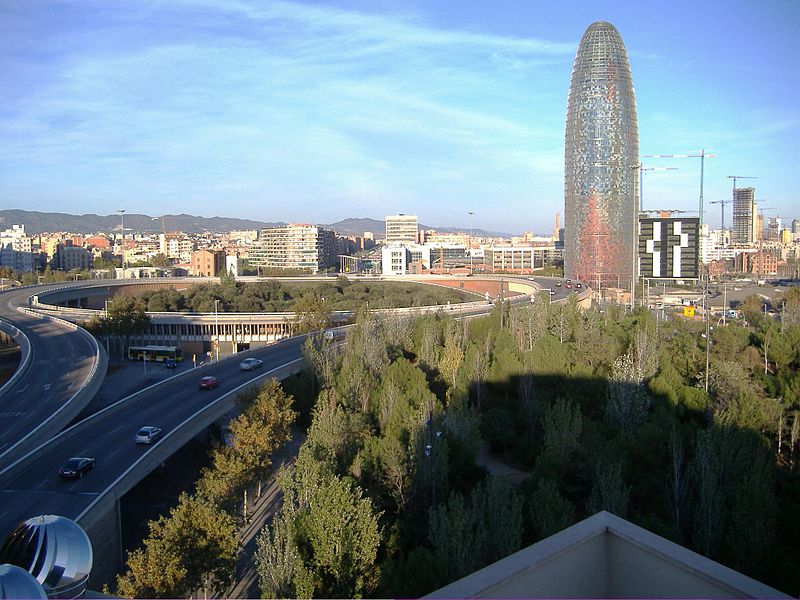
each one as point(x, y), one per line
point(39, 222)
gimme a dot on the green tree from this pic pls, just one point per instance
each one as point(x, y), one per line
point(451, 358)
point(326, 538)
point(311, 313)
point(550, 511)
point(627, 401)
point(469, 534)
point(262, 427)
point(195, 548)
point(609, 492)
point(563, 424)
point(126, 316)
point(279, 564)
point(160, 261)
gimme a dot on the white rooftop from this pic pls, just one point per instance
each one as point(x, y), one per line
point(605, 556)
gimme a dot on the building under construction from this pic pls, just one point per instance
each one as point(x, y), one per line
point(745, 223)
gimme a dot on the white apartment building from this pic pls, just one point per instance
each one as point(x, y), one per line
point(298, 246)
point(403, 229)
point(16, 249)
point(177, 246)
point(396, 259)
point(233, 265)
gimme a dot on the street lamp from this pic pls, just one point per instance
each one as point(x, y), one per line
point(121, 212)
point(216, 330)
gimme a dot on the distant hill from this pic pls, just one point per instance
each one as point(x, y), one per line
point(378, 228)
point(37, 222)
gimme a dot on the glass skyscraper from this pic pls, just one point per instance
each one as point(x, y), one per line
point(600, 163)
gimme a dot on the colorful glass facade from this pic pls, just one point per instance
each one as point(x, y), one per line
point(600, 163)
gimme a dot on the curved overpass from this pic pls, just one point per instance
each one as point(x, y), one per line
point(61, 367)
point(31, 485)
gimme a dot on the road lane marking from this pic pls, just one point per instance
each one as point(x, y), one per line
point(41, 484)
point(117, 429)
point(19, 391)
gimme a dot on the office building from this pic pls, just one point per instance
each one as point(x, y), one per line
point(406, 259)
point(403, 229)
point(669, 248)
point(600, 160)
point(520, 259)
point(302, 247)
point(745, 223)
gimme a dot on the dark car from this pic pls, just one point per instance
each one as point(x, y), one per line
point(209, 383)
point(147, 434)
point(170, 363)
point(578, 285)
point(74, 468)
point(558, 284)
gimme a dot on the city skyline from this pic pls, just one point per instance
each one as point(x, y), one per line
point(321, 111)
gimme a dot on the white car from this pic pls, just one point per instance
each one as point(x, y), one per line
point(147, 435)
point(248, 364)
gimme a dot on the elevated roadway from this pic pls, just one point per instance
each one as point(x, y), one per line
point(61, 367)
point(31, 485)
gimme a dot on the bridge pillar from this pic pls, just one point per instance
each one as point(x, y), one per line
point(104, 528)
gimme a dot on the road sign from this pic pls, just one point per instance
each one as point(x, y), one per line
point(688, 311)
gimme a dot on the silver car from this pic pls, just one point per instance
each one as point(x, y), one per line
point(248, 364)
point(148, 435)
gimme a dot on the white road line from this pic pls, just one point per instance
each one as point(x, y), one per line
point(19, 391)
point(117, 429)
point(44, 481)
point(112, 454)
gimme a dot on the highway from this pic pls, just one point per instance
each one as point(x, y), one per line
point(61, 360)
point(39, 490)
point(32, 486)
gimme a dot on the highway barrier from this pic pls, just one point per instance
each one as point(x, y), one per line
point(180, 435)
point(72, 407)
point(25, 356)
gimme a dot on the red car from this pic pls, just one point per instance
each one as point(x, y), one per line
point(209, 383)
point(568, 285)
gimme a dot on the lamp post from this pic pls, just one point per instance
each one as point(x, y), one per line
point(708, 331)
point(121, 212)
point(216, 330)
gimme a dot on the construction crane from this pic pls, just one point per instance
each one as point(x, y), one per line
point(642, 169)
point(702, 156)
point(735, 177)
point(722, 204)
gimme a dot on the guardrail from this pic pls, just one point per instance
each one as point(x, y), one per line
point(21, 464)
point(25, 358)
point(72, 407)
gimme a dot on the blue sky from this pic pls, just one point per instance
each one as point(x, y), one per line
point(319, 111)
